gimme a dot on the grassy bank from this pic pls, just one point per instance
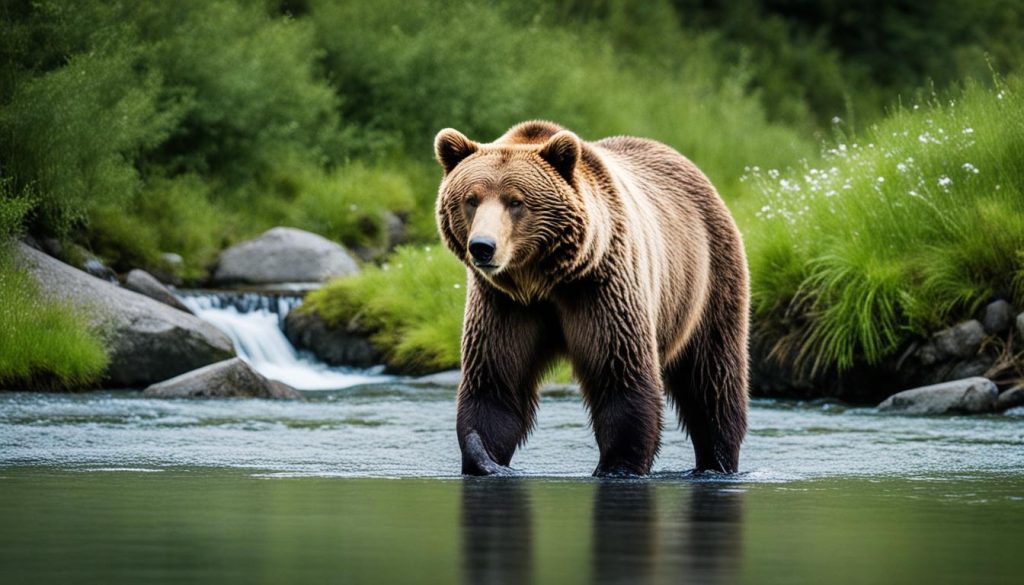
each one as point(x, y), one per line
point(897, 232)
point(46, 345)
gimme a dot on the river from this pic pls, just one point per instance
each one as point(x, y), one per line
point(360, 484)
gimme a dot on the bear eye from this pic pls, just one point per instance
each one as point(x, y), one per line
point(472, 201)
point(515, 203)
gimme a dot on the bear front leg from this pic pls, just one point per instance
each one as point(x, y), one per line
point(505, 349)
point(615, 358)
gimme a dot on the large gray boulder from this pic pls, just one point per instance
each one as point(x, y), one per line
point(232, 378)
point(283, 255)
point(1020, 325)
point(968, 396)
point(147, 341)
point(145, 283)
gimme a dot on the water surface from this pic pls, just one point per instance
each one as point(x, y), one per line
point(362, 486)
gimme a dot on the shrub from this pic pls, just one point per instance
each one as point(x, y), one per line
point(916, 224)
point(70, 136)
point(415, 301)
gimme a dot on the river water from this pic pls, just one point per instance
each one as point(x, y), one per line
point(361, 486)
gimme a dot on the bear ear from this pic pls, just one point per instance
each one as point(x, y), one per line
point(562, 151)
point(451, 147)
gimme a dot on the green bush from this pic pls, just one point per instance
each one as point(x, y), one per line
point(71, 135)
point(46, 344)
point(915, 224)
point(407, 72)
point(415, 301)
point(348, 203)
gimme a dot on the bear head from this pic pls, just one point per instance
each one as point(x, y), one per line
point(512, 210)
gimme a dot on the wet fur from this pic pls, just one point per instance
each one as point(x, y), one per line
point(631, 266)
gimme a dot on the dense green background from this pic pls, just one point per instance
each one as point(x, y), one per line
point(135, 128)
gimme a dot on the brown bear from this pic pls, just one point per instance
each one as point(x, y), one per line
point(617, 254)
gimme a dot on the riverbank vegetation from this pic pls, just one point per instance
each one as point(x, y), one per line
point(46, 345)
point(138, 129)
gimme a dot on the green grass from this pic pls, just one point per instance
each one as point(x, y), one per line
point(905, 229)
point(415, 300)
point(46, 344)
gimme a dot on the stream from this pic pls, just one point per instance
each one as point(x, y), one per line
point(360, 484)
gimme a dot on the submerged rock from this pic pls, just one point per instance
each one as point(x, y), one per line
point(1012, 398)
point(967, 396)
point(347, 345)
point(147, 341)
point(144, 283)
point(998, 317)
point(232, 378)
point(283, 255)
point(447, 378)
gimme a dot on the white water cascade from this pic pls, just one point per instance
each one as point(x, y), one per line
point(253, 321)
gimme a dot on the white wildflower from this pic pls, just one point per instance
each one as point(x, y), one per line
point(837, 120)
point(881, 179)
point(968, 130)
point(901, 167)
point(970, 168)
point(945, 181)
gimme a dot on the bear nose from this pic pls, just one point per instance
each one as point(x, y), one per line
point(482, 249)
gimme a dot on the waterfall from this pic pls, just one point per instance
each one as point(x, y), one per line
point(254, 323)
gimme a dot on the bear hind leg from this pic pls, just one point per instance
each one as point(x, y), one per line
point(708, 384)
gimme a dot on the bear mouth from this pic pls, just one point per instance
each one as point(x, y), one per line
point(488, 267)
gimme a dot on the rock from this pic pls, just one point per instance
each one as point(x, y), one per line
point(232, 378)
point(169, 269)
point(1011, 398)
point(1020, 325)
point(971, 396)
point(147, 340)
point(447, 378)
point(337, 346)
point(394, 227)
point(95, 267)
point(998, 317)
point(144, 283)
point(967, 368)
point(283, 255)
point(963, 340)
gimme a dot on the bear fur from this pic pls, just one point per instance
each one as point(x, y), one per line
point(617, 254)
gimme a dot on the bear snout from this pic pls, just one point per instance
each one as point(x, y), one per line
point(482, 249)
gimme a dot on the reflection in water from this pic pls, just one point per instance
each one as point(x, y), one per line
point(641, 531)
point(636, 542)
point(624, 532)
point(496, 531)
point(714, 536)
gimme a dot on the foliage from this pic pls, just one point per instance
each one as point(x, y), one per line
point(46, 344)
point(414, 300)
point(917, 223)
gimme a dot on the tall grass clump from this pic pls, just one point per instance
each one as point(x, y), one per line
point(897, 232)
point(46, 344)
point(414, 302)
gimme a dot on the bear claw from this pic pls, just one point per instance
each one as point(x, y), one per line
point(477, 461)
